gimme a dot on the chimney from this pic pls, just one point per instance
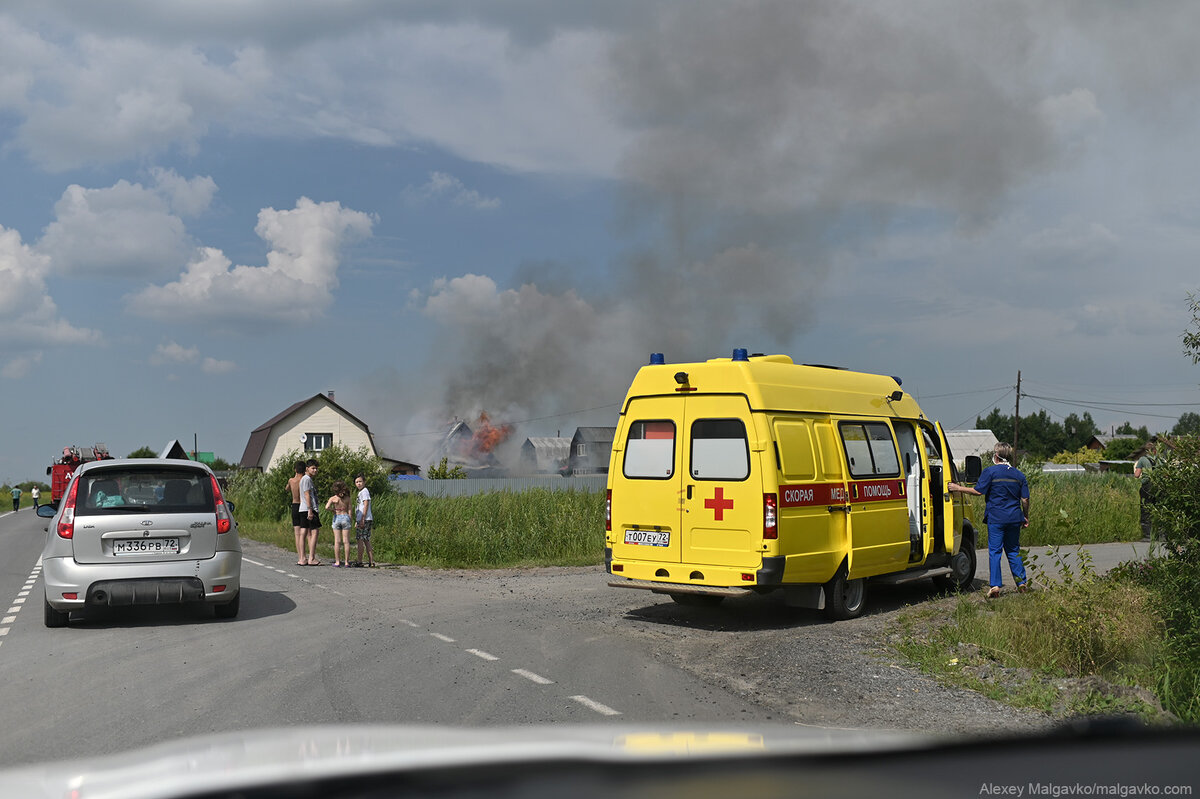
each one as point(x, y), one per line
point(330, 394)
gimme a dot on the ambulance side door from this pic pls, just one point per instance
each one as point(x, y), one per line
point(878, 518)
point(647, 481)
point(952, 504)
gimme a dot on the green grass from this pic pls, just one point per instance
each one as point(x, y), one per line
point(532, 528)
point(1077, 509)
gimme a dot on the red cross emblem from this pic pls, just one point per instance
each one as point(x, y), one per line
point(719, 504)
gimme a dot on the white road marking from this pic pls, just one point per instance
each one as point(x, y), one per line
point(19, 601)
point(8, 620)
point(14, 608)
point(4, 630)
point(249, 560)
point(479, 653)
point(409, 623)
point(23, 593)
point(529, 675)
point(592, 704)
point(441, 637)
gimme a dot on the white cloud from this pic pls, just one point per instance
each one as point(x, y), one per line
point(187, 197)
point(104, 96)
point(172, 352)
point(296, 284)
point(29, 319)
point(21, 365)
point(212, 366)
point(126, 230)
point(444, 186)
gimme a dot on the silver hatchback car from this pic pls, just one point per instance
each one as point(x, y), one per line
point(145, 531)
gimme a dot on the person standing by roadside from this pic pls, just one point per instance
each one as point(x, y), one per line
point(363, 521)
point(298, 526)
point(16, 492)
point(339, 500)
point(1142, 470)
point(36, 494)
point(1006, 511)
point(308, 510)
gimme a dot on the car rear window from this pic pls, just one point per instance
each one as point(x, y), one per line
point(162, 490)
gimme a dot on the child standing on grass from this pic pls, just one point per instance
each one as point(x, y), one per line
point(363, 520)
point(340, 501)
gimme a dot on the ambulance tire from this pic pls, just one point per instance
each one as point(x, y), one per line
point(962, 565)
point(697, 600)
point(845, 599)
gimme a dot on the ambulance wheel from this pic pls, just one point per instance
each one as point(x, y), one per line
point(697, 600)
point(845, 599)
point(962, 566)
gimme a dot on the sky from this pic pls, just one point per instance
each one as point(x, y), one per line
point(211, 210)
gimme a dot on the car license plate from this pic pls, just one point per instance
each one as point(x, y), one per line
point(146, 546)
point(648, 538)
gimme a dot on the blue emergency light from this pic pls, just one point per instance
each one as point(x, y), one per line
point(657, 359)
point(740, 354)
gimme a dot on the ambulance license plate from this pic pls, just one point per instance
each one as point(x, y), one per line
point(648, 538)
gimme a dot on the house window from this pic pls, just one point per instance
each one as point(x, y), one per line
point(580, 449)
point(315, 442)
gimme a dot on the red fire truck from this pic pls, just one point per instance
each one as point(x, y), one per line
point(63, 467)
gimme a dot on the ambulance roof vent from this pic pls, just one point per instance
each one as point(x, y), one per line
point(740, 354)
point(657, 359)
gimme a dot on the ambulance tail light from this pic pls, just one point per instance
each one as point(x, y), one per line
point(608, 511)
point(770, 516)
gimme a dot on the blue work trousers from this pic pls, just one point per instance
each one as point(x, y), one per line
point(1005, 539)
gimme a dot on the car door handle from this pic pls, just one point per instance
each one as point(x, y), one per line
point(689, 492)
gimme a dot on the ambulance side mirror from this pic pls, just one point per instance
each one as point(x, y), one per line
point(974, 468)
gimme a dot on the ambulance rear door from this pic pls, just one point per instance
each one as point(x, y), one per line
point(723, 488)
point(647, 481)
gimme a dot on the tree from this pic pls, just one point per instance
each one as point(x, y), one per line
point(1191, 336)
point(1188, 425)
point(1122, 449)
point(1079, 431)
point(142, 452)
point(1127, 429)
point(444, 472)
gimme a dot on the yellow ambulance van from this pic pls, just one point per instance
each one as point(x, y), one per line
point(757, 474)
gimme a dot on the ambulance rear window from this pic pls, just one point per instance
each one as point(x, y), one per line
point(720, 450)
point(650, 450)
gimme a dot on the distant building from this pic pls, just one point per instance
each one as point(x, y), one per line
point(1101, 441)
point(971, 442)
point(591, 448)
point(310, 426)
point(545, 455)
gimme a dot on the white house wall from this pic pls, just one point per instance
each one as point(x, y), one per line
point(315, 417)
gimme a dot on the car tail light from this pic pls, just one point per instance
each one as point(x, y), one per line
point(224, 518)
point(608, 511)
point(770, 516)
point(66, 522)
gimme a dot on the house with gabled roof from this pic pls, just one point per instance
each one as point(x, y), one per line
point(591, 448)
point(310, 426)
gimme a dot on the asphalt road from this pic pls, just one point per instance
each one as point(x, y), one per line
point(319, 645)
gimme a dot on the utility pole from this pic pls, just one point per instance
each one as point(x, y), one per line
point(1017, 417)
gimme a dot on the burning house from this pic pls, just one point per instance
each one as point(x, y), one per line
point(476, 450)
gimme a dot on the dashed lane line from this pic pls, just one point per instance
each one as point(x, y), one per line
point(17, 604)
point(529, 675)
point(591, 704)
